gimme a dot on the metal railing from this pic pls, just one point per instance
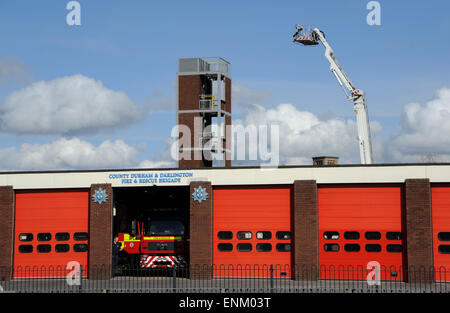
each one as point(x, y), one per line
point(218, 65)
point(207, 102)
point(223, 279)
point(204, 65)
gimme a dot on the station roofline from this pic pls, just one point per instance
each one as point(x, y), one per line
point(220, 168)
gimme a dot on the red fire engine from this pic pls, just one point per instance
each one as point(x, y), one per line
point(160, 242)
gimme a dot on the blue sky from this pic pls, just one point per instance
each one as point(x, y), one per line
point(134, 46)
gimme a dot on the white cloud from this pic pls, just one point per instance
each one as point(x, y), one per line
point(423, 136)
point(303, 135)
point(13, 70)
point(161, 103)
point(157, 164)
point(69, 154)
point(77, 154)
point(243, 97)
point(67, 105)
point(161, 159)
point(424, 132)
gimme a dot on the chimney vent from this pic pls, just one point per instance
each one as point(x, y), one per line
point(325, 160)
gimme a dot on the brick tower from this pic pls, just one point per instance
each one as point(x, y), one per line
point(204, 112)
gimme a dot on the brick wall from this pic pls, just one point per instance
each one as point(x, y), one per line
point(419, 230)
point(189, 90)
point(227, 94)
point(201, 233)
point(306, 227)
point(195, 158)
point(100, 234)
point(6, 231)
point(190, 87)
point(228, 135)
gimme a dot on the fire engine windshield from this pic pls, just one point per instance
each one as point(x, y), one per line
point(166, 228)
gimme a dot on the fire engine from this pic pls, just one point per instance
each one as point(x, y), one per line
point(160, 242)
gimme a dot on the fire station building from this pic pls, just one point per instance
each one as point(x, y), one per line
point(302, 217)
point(397, 215)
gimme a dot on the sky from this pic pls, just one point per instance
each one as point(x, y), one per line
point(102, 94)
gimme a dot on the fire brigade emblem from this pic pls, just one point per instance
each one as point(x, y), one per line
point(200, 194)
point(100, 196)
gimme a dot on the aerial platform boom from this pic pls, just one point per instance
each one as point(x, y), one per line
point(308, 37)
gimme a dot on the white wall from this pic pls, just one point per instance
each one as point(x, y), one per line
point(234, 176)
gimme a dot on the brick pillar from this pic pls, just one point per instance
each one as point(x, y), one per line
point(228, 122)
point(306, 227)
point(190, 87)
point(6, 231)
point(419, 230)
point(201, 233)
point(100, 234)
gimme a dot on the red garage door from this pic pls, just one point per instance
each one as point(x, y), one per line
point(252, 230)
point(51, 229)
point(358, 225)
point(440, 199)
